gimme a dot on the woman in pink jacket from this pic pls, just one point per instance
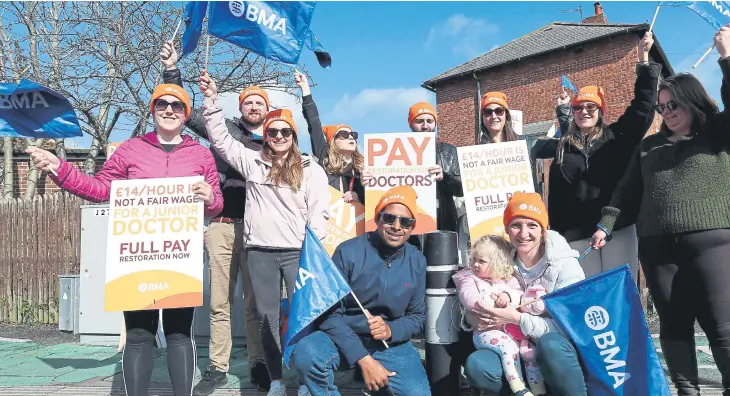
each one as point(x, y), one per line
point(158, 154)
point(285, 193)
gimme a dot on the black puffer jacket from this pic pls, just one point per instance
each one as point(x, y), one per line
point(320, 148)
point(583, 184)
point(233, 185)
point(449, 187)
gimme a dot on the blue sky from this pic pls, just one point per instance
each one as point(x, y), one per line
point(383, 51)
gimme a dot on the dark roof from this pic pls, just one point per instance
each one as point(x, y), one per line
point(553, 37)
point(539, 128)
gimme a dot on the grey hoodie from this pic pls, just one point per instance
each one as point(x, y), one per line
point(563, 270)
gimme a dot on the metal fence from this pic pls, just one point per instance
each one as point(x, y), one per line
point(39, 240)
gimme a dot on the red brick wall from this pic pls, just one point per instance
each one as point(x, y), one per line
point(533, 85)
point(45, 184)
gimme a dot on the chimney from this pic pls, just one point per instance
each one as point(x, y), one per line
point(598, 8)
point(599, 18)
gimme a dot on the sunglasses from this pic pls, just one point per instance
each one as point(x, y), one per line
point(660, 107)
point(499, 112)
point(589, 107)
point(177, 106)
point(405, 222)
point(346, 135)
point(274, 132)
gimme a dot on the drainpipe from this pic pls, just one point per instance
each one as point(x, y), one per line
point(479, 106)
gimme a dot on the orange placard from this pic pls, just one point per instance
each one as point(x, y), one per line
point(347, 220)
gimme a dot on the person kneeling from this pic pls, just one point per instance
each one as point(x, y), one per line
point(389, 277)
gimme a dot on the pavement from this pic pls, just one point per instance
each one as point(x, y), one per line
point(40, 360)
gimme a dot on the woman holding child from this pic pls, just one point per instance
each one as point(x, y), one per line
point(543, 262)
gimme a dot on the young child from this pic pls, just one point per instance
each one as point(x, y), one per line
point(490, 282)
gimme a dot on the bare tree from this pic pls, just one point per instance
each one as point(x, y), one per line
point(104, 57)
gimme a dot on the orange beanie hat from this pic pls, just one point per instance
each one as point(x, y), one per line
point(331, 130)
point(405, 195)
point(527, 205)
point(253, 90)
point(280, 115)
point(174, 90)
point(494, 97)
point(593, 94)
point(421, 108)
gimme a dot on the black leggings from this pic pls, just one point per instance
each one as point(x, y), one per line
point(139, 349)
point(689, 278)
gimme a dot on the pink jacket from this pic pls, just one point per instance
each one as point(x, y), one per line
point(276, 216)
point(143, 157)
point(473, 289)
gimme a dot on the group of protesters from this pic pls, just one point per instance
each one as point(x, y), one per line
point(631, 198)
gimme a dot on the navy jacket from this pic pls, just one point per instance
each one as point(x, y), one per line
point(392, 285)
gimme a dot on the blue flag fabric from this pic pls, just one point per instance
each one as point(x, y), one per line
point(323, 57)
point(603, 317)
point(276, 30)
point(31, 110)
point(194, 15)
point(320, 285)
point(716, 13)
point(567, 84)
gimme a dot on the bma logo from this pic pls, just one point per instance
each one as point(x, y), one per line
point(257, 13)
point(386, 199)
point(596, 318)
point(145, 287)
point(25, 100)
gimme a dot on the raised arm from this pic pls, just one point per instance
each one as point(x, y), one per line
point(320, 148)
point(171, 75)
point(639, 116)
point(232, 151)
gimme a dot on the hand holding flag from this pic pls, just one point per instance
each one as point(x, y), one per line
point(43, 159)
point(722, 41)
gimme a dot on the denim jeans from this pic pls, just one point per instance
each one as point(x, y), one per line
point(316, 358)
point(556, 357)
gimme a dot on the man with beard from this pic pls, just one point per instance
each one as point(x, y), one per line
point(224, 238)
point(422, 118)
point(388, 276)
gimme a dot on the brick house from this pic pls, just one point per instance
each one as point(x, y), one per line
point(77, 157)
point(528, 70)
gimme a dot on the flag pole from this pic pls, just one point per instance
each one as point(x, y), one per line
point(53, 171)
point(207, 50)
point(651, 28)
point(176, 29)
point(365, 312)
point(704, 56)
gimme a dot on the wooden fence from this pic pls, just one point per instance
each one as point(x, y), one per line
point(39, 240)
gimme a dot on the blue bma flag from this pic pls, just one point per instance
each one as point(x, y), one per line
point(567, 84)
point(277, 30)
point(320, 285)
point(31, 110)
point(603, 317)
point(194, 15)
point(716, 13)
